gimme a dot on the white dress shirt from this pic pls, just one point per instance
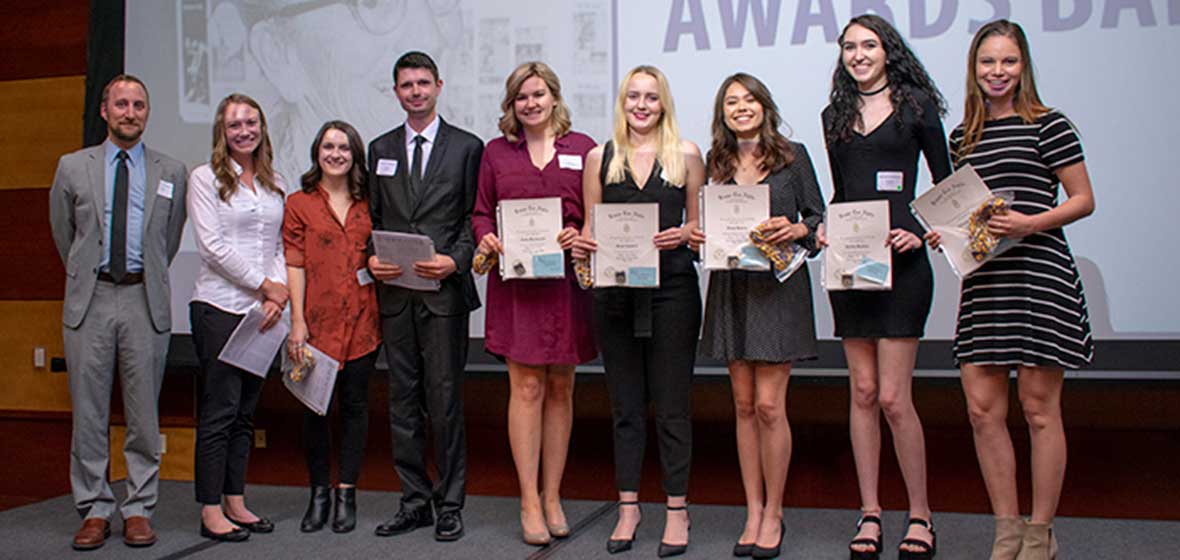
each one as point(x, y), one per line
point(429, 133)
point(240, 241)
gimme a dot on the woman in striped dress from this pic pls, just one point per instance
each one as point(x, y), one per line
point(1024, 309)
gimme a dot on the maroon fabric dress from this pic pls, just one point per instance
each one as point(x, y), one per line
point(545, 321)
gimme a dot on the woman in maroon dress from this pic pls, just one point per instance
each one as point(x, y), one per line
point(541, 328)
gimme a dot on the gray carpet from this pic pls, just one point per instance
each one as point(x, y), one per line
point(43, 531)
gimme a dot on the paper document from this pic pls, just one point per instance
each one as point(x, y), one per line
point(250, 349)
point(728, 214)
point(405, 249)
point(947, 208)
point(627, 255)
point(857, 257)
point(528, 229)
point(316, 379)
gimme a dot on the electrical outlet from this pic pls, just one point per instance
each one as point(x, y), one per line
point(260, 439)
point(163, 444)
point(39, 357)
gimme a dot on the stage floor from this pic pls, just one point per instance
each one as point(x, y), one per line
point(44, 530)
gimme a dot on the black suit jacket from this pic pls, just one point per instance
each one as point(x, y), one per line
point(443, 212)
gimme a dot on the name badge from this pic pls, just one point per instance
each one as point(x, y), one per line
point(387, 167)
point(164, 190)
point(569, 161)
point(363, 277)
point(890, 181)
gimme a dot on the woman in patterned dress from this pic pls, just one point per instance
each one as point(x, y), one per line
point(756, 324)
point(1024, 309)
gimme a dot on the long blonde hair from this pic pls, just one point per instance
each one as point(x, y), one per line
point(220, 160)
point(559, 119)
point(1027, 101)
point(668, 151)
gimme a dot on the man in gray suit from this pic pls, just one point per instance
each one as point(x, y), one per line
point(117, 212)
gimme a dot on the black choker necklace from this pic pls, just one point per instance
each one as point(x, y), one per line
point(874, 92)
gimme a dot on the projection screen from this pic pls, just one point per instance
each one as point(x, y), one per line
point(1103, 62)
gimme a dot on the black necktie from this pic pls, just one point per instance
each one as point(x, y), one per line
point(118, 263)
point(416, 167)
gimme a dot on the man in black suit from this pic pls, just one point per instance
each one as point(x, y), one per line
point(423, 179)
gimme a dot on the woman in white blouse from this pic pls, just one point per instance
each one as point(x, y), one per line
point(235, 203)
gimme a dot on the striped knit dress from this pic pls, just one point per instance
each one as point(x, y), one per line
point(1026, 306)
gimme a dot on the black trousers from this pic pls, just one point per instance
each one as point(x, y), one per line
point(653, 366)
point(229, 395)
point(427, 354)
point(352, 402)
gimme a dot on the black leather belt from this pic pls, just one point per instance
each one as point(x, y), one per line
point(128, 279)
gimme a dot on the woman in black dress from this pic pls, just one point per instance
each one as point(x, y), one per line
point(756, 324)
point(1024, 309)
point(884, 110)
point(648, 337)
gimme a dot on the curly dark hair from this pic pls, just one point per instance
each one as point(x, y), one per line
point(774, 148)
point(904, 71)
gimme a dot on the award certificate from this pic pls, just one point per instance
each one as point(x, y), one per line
point(857, 257)
point(948, 208)
point(405, 249)
point(728, 214)
point(626, 256)
point(314, 387)
point(528, 229)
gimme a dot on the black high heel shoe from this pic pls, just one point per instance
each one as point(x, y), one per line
point(929, 549)
point(665, 550)
point(344, 516)
point(873, 554)
point(615, 546)
point(774, 551)
point(317, 510)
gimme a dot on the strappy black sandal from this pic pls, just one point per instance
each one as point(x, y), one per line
point(928, 549)
point(873, 554)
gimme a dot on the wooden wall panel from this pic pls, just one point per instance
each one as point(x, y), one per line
point(32, 268)
point(176, 462)
point(43, 38)
point(26, 324)
point(43, 118)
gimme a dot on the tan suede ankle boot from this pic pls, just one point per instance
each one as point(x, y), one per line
point(1039, 542)
point(1009, 534)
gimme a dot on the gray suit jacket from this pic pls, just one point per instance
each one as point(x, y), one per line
point(76, 203)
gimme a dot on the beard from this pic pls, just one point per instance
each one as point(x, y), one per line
point(116, 131)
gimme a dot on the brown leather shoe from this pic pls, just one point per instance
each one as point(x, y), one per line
point(137, 531)
point(93, 534)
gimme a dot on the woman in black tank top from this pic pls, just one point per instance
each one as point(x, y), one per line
point(648, 336)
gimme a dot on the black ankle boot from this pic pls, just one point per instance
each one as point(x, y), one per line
point(317, 510)
point(344, 518)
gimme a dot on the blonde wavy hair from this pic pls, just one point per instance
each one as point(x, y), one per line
point(220, 160)
point(1027, 102)
point(559, 119)
point(668, 151)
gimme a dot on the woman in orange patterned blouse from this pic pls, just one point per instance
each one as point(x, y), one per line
point(334, 309)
